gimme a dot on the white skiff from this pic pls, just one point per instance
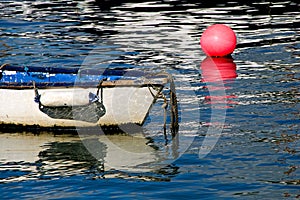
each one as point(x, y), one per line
point(64, 98)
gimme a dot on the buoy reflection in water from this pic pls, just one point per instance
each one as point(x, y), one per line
point(218, 73)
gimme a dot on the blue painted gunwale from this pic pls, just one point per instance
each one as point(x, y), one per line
point(23, 77)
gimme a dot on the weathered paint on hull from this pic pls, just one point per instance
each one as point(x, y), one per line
point(128, 104)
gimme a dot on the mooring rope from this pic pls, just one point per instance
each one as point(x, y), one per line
point(173, 105)
point(91, 112)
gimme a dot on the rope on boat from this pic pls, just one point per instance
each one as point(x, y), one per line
point(91, 112)
point(37, 96)
point(100, 88)
point(173, 106)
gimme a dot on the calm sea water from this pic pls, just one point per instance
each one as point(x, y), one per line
point(248, 124)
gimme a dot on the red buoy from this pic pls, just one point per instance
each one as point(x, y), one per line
point(218, 40)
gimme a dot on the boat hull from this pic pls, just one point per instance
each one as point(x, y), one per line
point(123, 105)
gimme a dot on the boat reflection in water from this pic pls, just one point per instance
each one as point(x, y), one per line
point(26, 156)
point(218, 73)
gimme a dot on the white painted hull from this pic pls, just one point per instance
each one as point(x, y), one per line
point(124, 104)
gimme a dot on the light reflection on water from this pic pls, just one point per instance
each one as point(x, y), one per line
point(28, 156)
point(256, 156)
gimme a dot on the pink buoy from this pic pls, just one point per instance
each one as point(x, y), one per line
point(218, 40)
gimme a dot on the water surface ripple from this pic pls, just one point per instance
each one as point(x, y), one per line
point(257, 154)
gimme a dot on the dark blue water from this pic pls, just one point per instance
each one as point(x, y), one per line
point(248, 124)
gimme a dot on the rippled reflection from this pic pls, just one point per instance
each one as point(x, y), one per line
point(257, 153)
point(219, 74)
point(25, 156)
